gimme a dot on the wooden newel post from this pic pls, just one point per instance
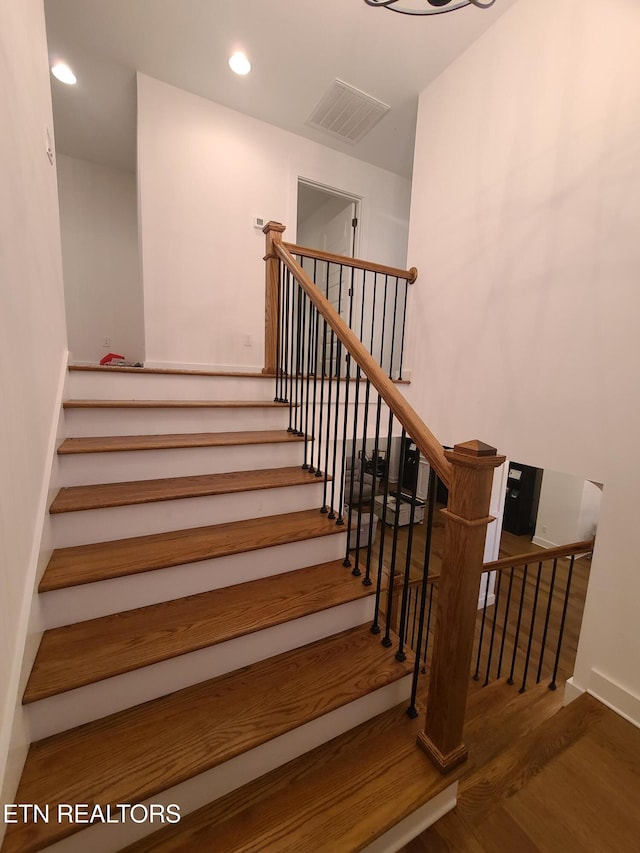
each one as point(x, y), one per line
point(274, 232)
point(466, 520)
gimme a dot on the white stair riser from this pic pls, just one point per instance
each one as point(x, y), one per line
point(402, 833)
point(93, 701)
point(123, 522)
point(92, 600)
point(83, 469)
point(214, 783)
point(116, 385)
point(97, 422)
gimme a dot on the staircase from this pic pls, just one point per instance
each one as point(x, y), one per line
point(206, 649)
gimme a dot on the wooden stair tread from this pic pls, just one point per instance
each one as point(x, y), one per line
point(171, 371)
point(103, 495)
point(118, 443)
point(82, 564)
point(338, 797)
point(86, 652)
point(134, 754)
point(173, 404)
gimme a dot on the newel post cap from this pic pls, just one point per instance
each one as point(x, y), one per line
point(274, 226)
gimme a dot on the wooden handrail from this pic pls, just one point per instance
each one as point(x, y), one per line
point(402, 410)
point(410, 275)
point(540, 556)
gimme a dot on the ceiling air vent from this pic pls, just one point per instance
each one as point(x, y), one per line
point(347, 113)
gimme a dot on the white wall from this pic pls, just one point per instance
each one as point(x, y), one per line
point(525, 323)
point(32, 331)
point(568, 511)
point(204, 172)
point(101, 264)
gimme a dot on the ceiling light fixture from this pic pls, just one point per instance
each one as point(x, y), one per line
point(63, 73)
point(239, 63)
point(433, 7)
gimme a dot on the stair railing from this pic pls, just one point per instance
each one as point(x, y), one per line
point(524, 623)
point(362, 437)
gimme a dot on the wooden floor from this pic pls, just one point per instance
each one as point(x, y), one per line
point(572, 786)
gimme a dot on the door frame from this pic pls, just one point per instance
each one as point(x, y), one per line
point(333, 191)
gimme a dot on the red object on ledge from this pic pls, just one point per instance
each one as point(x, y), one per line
point(111, 356)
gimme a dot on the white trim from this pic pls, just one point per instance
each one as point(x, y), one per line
point(571, 691)
point(223, 368)
point(406, 830)
point(615, 696)
point(544, 543)
point(13, 730)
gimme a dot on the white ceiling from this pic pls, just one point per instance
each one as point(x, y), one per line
point(297, 48)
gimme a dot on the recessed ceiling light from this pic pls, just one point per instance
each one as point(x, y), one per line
point(63, 73)
point(239, 63)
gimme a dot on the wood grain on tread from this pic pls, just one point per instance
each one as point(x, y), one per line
point(86, 652)
point(173, 404)
point(81, 564)
point(78, 498)
point(118, 443)
point(134, 754)
point(338, 797)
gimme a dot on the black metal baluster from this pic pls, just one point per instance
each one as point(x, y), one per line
point(506, 622)
point(296, 365)
point(303, 357)
point(493, 627)
point(341, 497)
point(322, 383)
point(476, 674)
point(287, 348)
point(374, 476)
point(308, 449)
point(314, 410)
point(325, 495)
point(383, 328)
point(363, 456)
point(393, 330)
point(407, 565)
point(337, 474)
point(546, 621)
point(386, 641)
point(414, 603)
point(431, 497)
point(279, 332)
point(404, 323)
point(518, 623)
point(375, 627)
point(373, 310)
point(347, 559)
point(533, 622)
point(553, 685)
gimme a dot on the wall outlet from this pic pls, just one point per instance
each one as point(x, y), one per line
point(106, 341)
point(248, 339)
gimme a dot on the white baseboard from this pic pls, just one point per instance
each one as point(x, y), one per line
point(615, 696)
point(544, 543)
point(571, 691)
point(491, 599)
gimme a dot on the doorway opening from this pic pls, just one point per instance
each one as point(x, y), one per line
point(327, 219)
